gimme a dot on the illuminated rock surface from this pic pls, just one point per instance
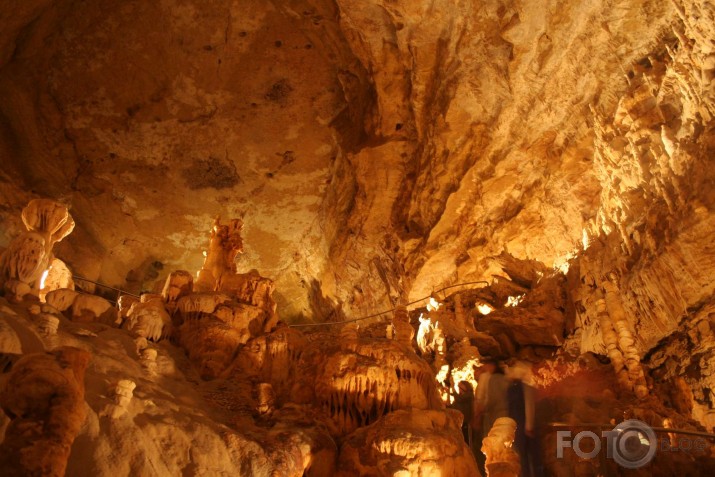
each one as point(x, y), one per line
point(324, 160)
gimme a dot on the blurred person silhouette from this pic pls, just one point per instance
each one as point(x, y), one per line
point(464, 403)
point(522, 408)
point(490, 403)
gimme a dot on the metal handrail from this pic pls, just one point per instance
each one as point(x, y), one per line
point(121, 292)
point(304, 325)
point(563, 425)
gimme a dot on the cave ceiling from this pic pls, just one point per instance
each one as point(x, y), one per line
point(376, 150)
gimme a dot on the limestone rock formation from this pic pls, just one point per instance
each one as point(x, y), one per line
point(178, 284)
point(148, 319)
point(44, 397)
point(411, 187)
point(87, 308)
point(22, 264)
point(58, 277)
point(61, 299)
point(220, 261)
point(30, 254)
point(502, 460)
point(429, 443)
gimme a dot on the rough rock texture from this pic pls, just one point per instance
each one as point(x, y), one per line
point(148, 411)
point(551, 159)
point(376, 149)
point(501, 459)
point(377, 450)
point(44, 397)
point(140, 116)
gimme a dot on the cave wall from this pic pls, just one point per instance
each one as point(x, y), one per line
point(650, 243)
point(376, 150)
point(150, 120)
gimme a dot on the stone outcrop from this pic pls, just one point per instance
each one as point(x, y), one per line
point(427, 442)
point(501, 460)
point(391, 133)
point(30, 255)
point(541, 172)
point(149, 319)
point(533, 316)
point(44, 397)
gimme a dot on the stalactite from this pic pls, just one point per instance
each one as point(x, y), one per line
point(610, 339)
point(626, 342)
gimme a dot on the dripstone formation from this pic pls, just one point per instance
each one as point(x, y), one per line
point(302, 237)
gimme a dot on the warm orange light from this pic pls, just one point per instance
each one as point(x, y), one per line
point(44, 277)
point(433, 304)
point(514, 300)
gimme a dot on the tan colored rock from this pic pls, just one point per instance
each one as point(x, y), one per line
point(44, 396)
point(266, 399)
point(225, 244)
point(349, 334)
point(148, 360)
point(141, 344)
point(25, 259)
point(534, 317)
point(123, 392)
point(48, 218)
point(373, 378)
point(30, 254)
point(212, 338)
point(17, 291)
point(408, 442)
point(9, 341)
point(502, 459)
point(61, 299)
point(178, 284)
point(124, 303)
point(59, 276)
point(148, 297)
point(466, 358)
point(197, 303)
point(253, 289)
point(404, 333)
point(90, 308)
point(48, 324)
point(149, 319)
point(281, 359)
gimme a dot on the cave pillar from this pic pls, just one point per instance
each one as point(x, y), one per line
point(610, 339)
point(625, 340)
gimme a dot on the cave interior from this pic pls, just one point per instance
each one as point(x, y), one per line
point(315, 237)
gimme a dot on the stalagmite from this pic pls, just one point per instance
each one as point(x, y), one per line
point(502, 460)
point(148, 360)
point(44, 397)
point(533, 180)
point(404, 333)
point(122, 391)
point(149, 319)
point(225, 244)
point(626, 343)
point(178, 284)
point(610, 339)
point(266, 399)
